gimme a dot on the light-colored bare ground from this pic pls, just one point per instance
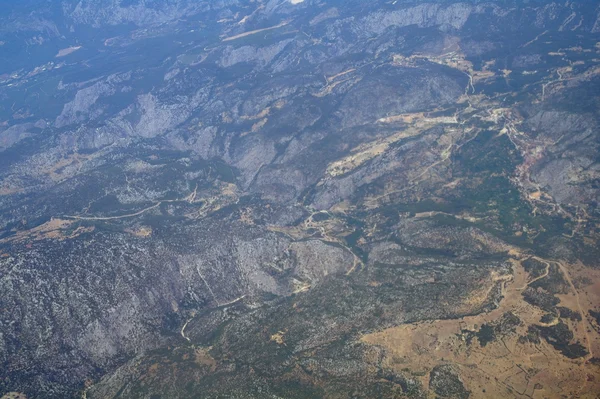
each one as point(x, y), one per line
point(253, 32)
point(337, 75)
point(129, 215)
point(331, 85)
point(265, 112)
point(143, 231)
point(57, 229)
point(367, 151)
point(10, 190)
point(66, 51)
point(14, 395)
point(507, 367)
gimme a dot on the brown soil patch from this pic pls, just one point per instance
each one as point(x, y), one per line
point(202, 357)
point(509, 366)
point(10, 190)
point(56, 229)
point(367, 151)
point(144, 231)
point(14, 395)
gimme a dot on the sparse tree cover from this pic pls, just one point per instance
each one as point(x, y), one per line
point(299, 199)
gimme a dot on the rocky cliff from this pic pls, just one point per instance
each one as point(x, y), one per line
point(267, 198)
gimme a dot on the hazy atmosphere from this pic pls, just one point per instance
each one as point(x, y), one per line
point(296, 199)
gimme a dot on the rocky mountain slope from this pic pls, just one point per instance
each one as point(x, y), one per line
point(299, 199)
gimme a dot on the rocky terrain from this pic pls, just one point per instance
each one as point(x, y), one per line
point(299, 199)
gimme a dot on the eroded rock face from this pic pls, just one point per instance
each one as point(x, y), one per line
point(570, 167)
point(119, 295)
point(397, 91)
point(117, 12)
point(226, 197)
point(452, 16)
